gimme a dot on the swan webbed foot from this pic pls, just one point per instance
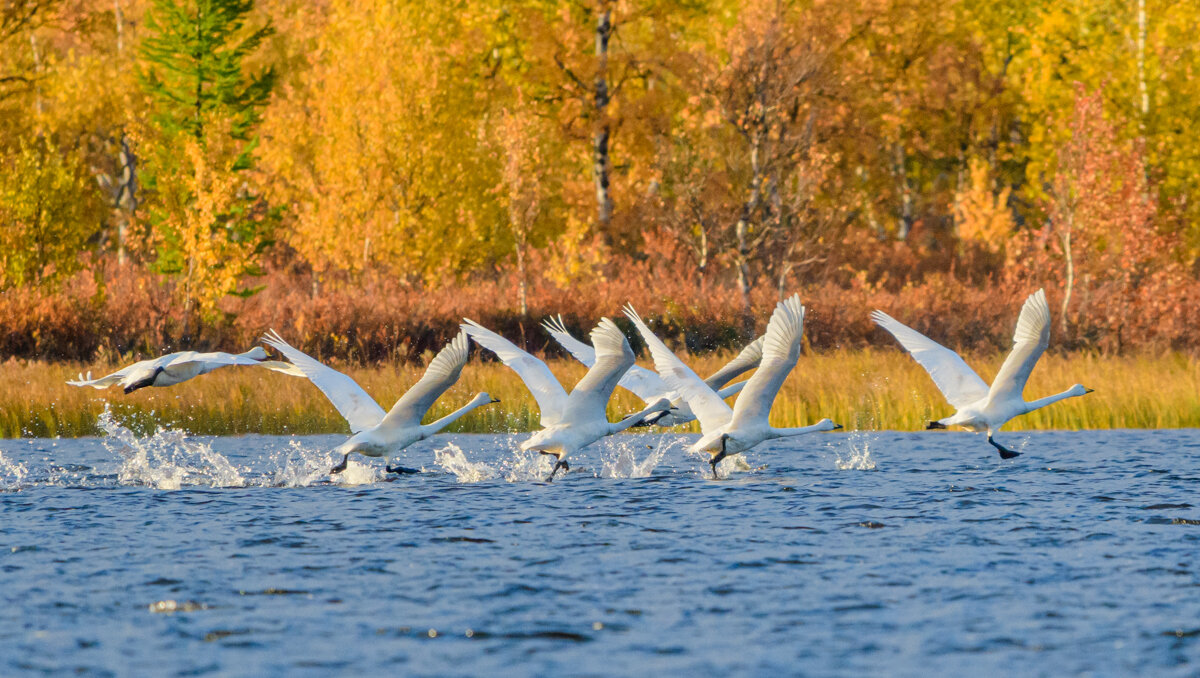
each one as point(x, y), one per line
point(400, 470)
point(935, 425)
point(1005, 453)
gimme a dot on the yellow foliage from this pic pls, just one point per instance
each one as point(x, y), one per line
point(47, 205)
point(982, 214)
point(200, 198)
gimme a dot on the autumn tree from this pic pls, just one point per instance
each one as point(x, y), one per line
point(208, 224)
point(1104, 212)
point(381, 160)
point(606, 72)
point(768, 94)
point(18, 20)
point(47, 212)
point(523, 184)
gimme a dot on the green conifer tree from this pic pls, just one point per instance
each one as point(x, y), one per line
point(209, 225)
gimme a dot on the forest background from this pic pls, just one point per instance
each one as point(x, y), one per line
point(361, 174)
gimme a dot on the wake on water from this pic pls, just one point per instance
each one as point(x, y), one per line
point(521, 466)
point(619, 460)
point(170, 459)
point(12, 474)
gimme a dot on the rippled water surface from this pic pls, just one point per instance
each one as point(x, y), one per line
point(856, 554)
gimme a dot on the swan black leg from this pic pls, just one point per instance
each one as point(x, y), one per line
point(342, 466)
point(1005, 453)
point(559, 462)
point(400, 470)
point(718, 457)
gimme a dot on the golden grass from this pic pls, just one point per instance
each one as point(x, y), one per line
point(862, 389)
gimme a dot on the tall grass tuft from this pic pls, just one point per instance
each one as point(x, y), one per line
point(863, 389)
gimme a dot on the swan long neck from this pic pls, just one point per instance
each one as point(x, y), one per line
point(732, 390)
point(787, 432)
point(256, 353)
point(657, 406)
point(435, 426)
point(1049, 400)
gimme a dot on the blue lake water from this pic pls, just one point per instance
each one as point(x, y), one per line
point(838, 554)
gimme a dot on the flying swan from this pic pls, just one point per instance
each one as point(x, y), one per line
point(175, 368)
point(378, 433)
point(569, 422)
point(980, 408)
point(650, 387)
point(724, 430)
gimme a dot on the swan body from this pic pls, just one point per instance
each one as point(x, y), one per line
point(650, 387)
point(727, 431)
point(980, 407)
point(176, 368)
point(378, 433)
point(572, 421)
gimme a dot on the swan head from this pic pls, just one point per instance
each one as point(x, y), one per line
point(827, 425)
point(256, 353)
point(1079, 390)
point(483, 398)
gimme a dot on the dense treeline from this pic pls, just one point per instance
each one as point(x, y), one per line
point(360, 174)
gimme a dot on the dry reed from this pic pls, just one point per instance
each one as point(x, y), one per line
point(864, 389)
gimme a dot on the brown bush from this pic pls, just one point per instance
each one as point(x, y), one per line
point(112, 310)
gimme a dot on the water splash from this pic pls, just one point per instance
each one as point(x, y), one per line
point(358, 473)
point(528, 466)
point(857, 450)
point(166, 460)
point(521, 466)
point(298, 466)
point(12, 474)
point(621, 460)
point(452, 460)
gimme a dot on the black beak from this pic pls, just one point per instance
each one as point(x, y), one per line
point(837, 426)
point(494, 400)
point(1088, 390)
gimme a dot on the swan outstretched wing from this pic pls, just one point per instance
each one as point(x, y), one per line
point(711, 411)
point(187, 364)
point(1030, 340)
point(105, 381)
point(442, 372)
point(283, 368)
point(781, 350)
point(953, 377)
point(589, 398)
point(748, 359)
point(541, 382)
point(642, 382)
point(358, 409)
point(581, 351)
point(141, 368)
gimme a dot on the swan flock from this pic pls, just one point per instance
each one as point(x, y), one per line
point(673, 394)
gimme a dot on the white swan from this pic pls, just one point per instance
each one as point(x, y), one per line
point(650, 387)
point(724, 430)
point(983, 408)
point(376, 433)
point(175, 368)
point(569, 422)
